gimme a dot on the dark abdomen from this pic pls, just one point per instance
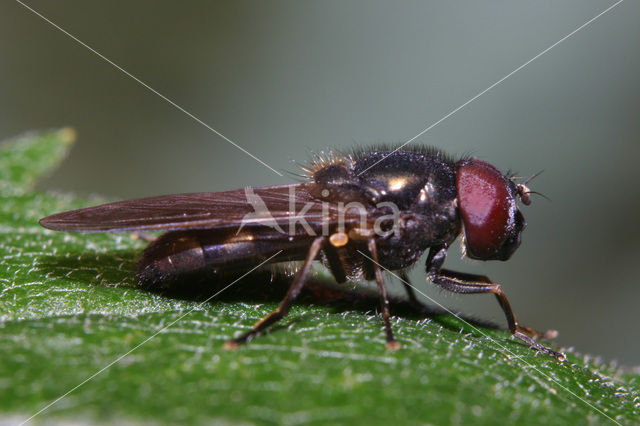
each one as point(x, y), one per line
point(177, 254)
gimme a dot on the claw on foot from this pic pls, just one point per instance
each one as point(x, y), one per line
point(540, 348)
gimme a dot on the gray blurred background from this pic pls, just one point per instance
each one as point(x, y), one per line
point(283, 79)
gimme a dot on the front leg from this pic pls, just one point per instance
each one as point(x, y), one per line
point(458, 282)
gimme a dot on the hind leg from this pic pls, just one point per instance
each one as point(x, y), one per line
point(285, 305)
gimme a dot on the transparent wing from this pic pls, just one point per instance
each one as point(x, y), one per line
point(250, 206)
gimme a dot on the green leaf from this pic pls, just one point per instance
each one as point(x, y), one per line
point(69, 307)
point(26, 158)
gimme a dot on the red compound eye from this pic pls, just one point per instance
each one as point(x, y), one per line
point(492, 222)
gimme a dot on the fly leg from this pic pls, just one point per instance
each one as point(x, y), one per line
point(285, 305)
point(458, 282)
point(392, 343)
point(462, 276)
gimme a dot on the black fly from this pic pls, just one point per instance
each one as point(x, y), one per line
point(389, 205)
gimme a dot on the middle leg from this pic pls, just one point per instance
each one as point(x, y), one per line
point(392, 343)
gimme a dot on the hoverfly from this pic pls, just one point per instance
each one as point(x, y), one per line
point(358, 213)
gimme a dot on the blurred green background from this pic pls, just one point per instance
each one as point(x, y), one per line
point(283, 79)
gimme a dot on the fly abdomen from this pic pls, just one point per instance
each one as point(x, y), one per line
point(176, 255)
point(169, 256)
